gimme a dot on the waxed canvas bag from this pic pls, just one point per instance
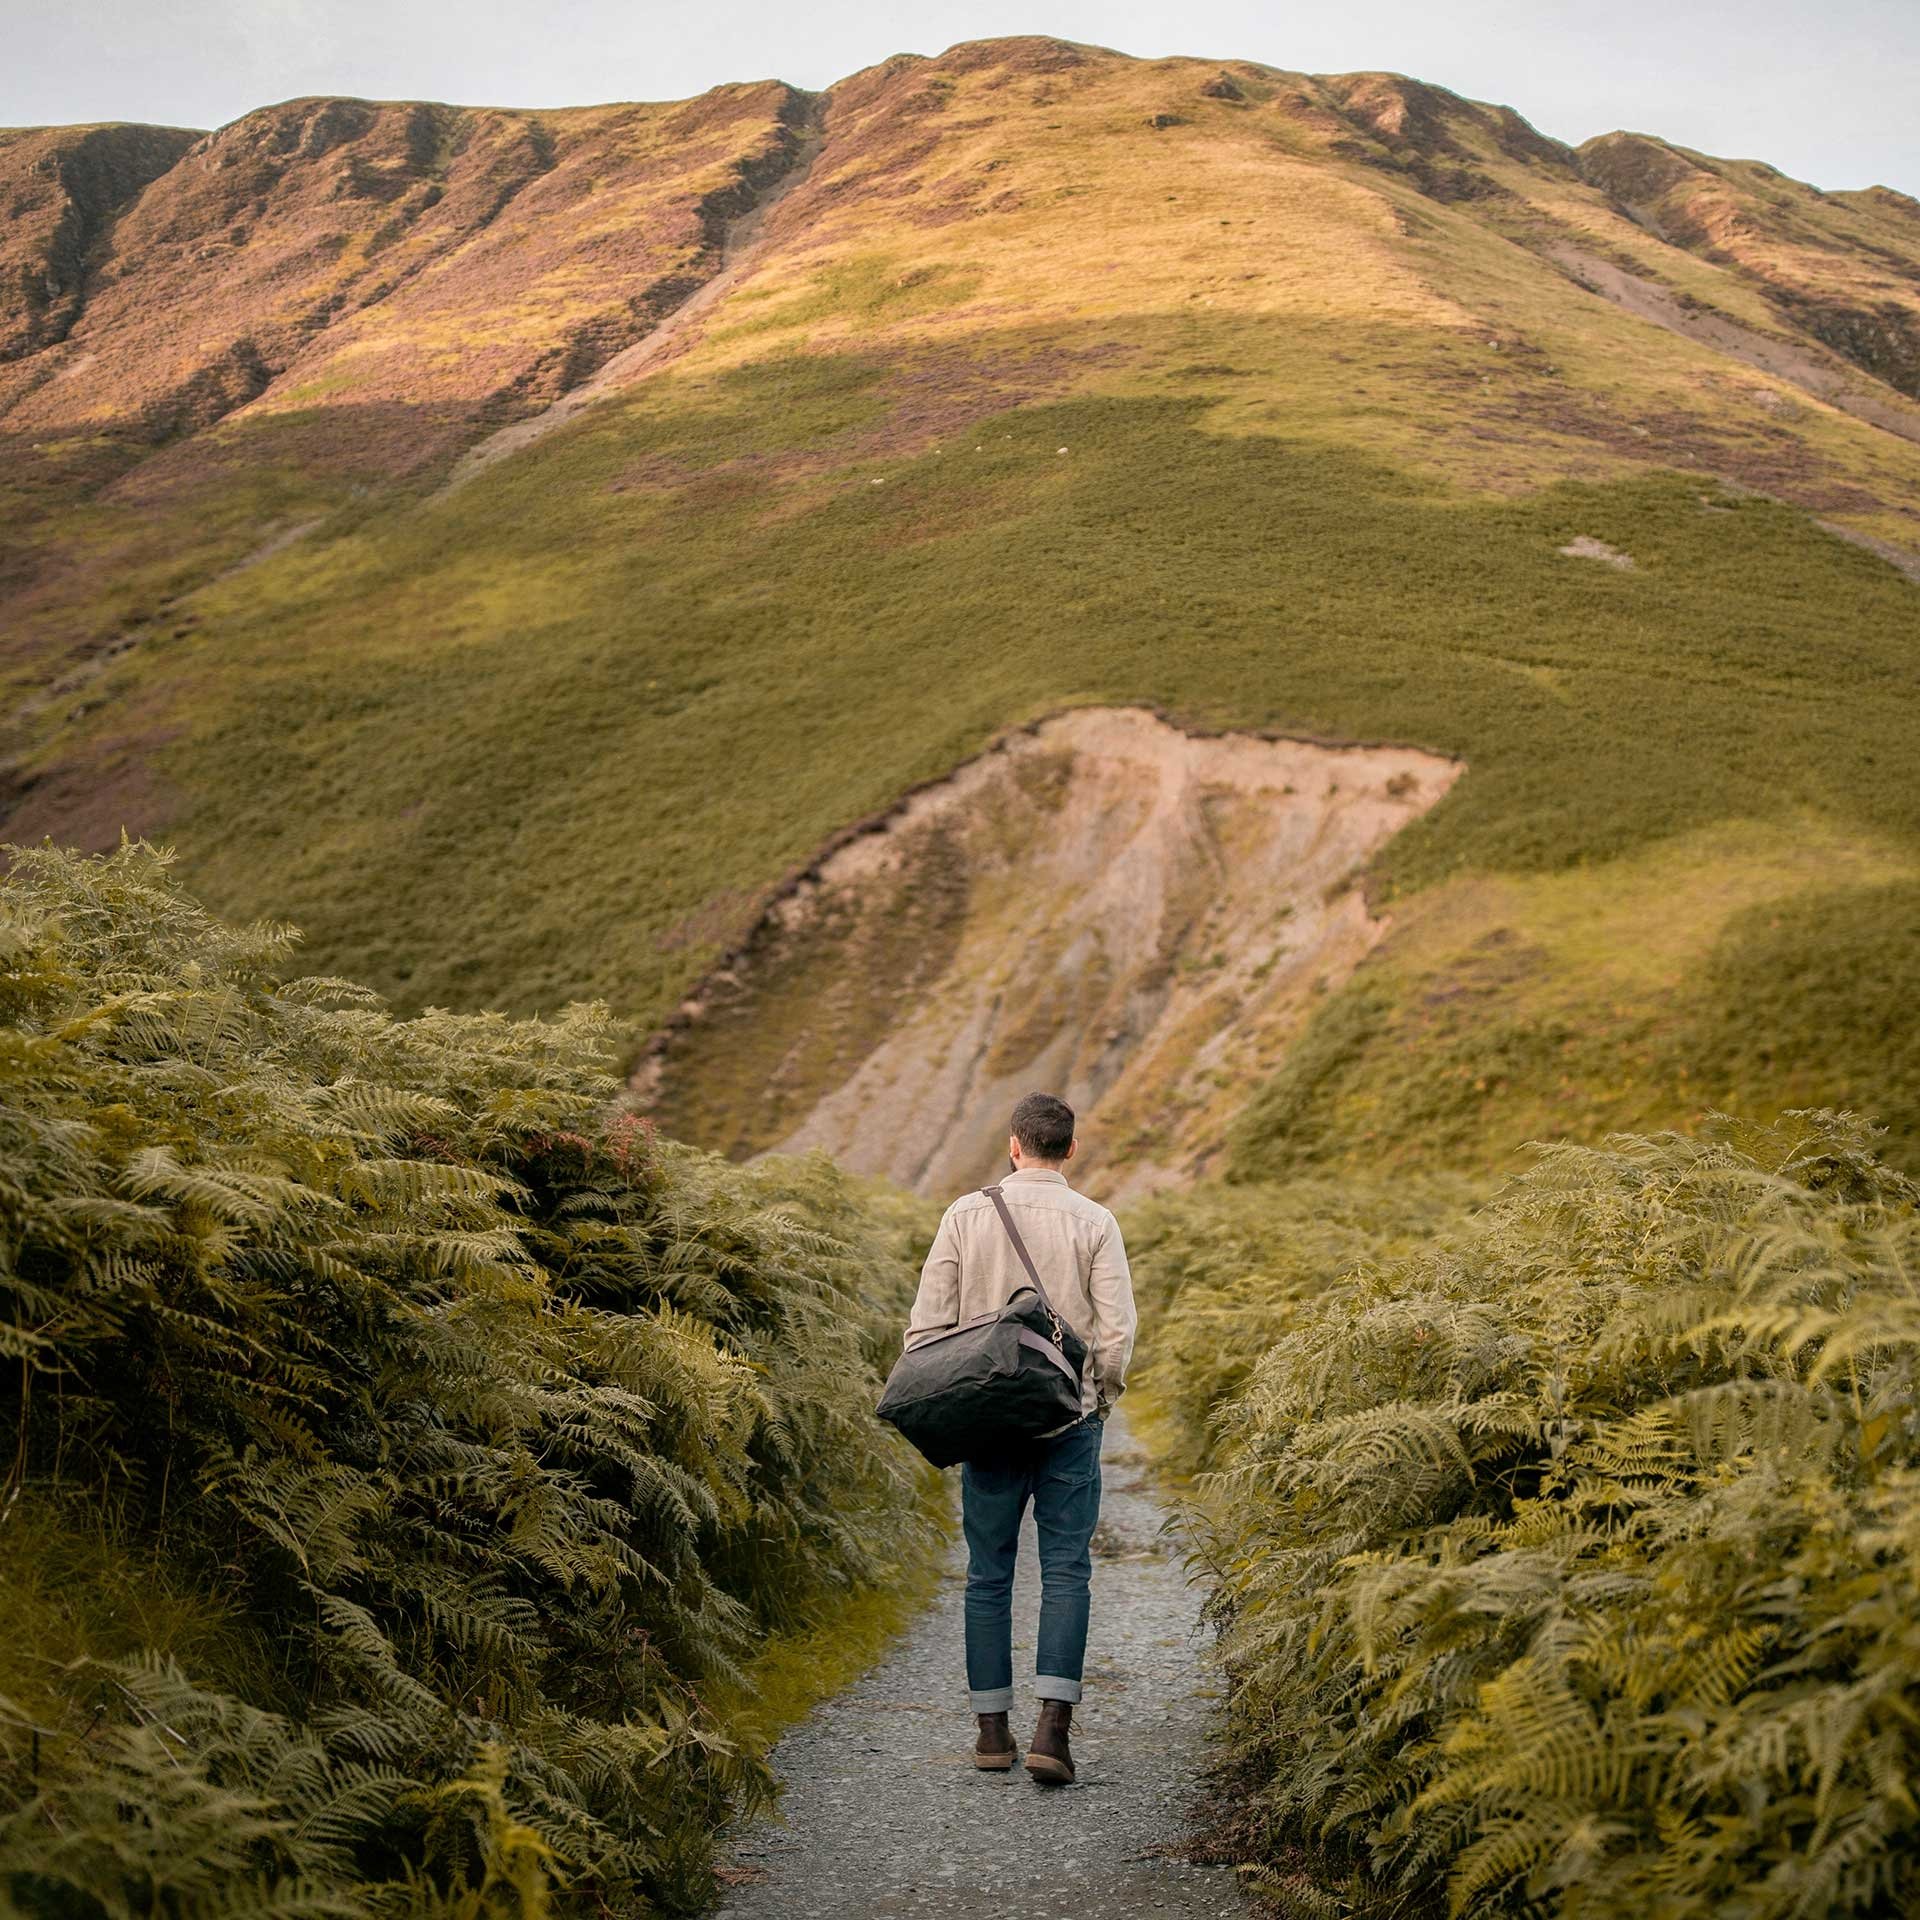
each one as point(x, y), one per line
point(980, 1389)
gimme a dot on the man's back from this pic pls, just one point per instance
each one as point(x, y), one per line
point(1075, 1243)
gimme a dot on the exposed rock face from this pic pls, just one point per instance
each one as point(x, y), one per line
point(1107, 907)
point(1451, 148)
point(1585, 547)
point(1793, 360)
point(1840, 267)
point(61, 187)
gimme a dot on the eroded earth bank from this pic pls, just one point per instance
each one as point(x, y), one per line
point(1103, 904)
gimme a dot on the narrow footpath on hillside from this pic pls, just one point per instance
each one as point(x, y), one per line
point(883, 1815)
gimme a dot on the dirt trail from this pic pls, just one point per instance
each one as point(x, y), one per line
point(883, 1816)
point(270, 548)
point(1137, 916)
point(1901, 558)
point(1834, 381)
point(740, 253)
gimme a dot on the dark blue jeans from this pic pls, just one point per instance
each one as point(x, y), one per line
point(1061, 1477)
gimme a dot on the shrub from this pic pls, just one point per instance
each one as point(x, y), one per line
point(1572, 1562)
point(1222, 1270)
point(490, 1434)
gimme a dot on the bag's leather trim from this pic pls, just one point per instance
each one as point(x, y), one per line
point(1040, 1344)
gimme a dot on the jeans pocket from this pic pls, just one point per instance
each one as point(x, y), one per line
point(1076, 1461)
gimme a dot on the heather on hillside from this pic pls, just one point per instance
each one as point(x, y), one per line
point(406, 1452)
point(1571, 1562)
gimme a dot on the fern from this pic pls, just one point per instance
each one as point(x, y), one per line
point(499, 1430)
point(1569, 1559)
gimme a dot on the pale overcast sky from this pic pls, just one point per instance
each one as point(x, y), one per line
point(1828, 90)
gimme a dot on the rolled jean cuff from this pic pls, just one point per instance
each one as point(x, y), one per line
point(990, 1699)
point(1055, 1686)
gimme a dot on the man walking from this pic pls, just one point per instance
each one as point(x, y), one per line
point(974, 1268)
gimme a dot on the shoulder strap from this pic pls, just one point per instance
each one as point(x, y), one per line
point(999, 1200)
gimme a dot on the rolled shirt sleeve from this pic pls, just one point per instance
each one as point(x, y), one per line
point(936, 1307)
point(1111, 1286)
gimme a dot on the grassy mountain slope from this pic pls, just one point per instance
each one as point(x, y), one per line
point(64, 187)
point(1062, 377)
point(311, 303)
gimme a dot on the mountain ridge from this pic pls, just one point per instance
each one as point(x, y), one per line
point(1384, 119)
point(1879, 193)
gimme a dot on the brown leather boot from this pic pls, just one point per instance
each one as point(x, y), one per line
point(994, 1751)
point(1049, 1758)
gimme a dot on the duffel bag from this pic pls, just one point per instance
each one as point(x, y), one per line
point(979, 1389)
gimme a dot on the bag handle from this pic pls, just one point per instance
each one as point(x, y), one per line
point(999, 1200)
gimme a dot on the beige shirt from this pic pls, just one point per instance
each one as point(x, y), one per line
point(1075, 1243)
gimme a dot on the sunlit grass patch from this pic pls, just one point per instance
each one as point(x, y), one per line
point(1630, 993)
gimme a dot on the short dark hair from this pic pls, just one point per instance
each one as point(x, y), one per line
point(1043, 1124)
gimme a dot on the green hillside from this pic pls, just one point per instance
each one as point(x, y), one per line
point(1331, 407)
point(732, 676)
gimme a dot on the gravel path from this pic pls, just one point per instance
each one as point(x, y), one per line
point(885, 1817)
